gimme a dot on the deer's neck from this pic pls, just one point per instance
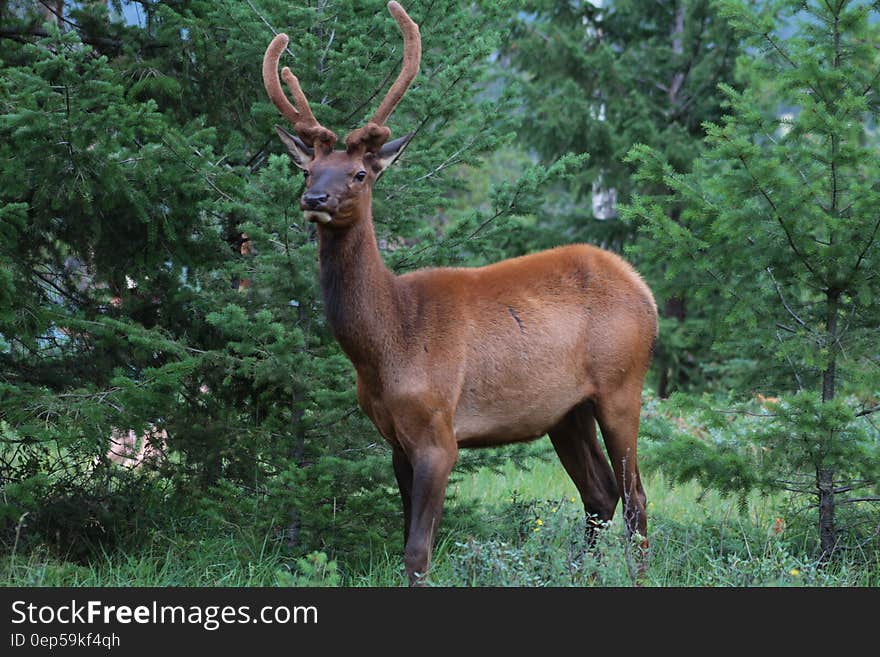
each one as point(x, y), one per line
point(359, 292)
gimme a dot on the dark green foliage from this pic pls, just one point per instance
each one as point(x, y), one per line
point(778, 219)
point(135, 157)
point(604, 78)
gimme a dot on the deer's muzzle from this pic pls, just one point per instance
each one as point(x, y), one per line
point(318, 206)
point(318, 216)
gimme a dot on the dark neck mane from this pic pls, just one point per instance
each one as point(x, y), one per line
point(358, 290)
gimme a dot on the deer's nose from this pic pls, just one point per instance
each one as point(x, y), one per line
point(313, 201)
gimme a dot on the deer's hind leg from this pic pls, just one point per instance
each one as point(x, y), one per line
point(577, 446)
point(618, 417)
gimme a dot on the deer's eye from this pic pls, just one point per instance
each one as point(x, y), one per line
point(305, 174)
point(360, 175)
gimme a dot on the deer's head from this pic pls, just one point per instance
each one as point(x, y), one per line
point(339, 183)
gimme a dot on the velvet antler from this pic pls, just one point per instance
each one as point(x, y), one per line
point(375, 133)
point(304, 122)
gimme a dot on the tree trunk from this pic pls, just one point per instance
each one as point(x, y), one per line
point(825, 475)
point(673, 308)
point(827, 533)
point(52, 10)
point(677, 48)
point(294, 525)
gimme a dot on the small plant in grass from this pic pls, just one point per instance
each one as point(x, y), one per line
point(775, 566)
point(548, 547)
point(314, 569)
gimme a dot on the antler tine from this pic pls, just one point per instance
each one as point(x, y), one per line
point(300, 115)
point(375, 133)
point(412, 55)
point(270, 78)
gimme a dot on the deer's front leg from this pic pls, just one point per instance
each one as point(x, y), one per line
point(427, 440)
point(431, 468)
point(403, 472)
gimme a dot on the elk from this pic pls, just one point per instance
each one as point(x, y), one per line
point(450, 358)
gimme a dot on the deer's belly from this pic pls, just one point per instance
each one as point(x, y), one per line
point(515, 388)
point(512, 415)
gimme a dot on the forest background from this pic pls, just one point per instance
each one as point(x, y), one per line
point(175, 411)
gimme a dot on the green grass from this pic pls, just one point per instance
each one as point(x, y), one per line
point(529, 533)
point(698, 538)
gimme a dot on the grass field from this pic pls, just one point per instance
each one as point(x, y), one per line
point(530, 533)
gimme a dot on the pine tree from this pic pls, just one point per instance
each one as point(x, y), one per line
point(781, 222)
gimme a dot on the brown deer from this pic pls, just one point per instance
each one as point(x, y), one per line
point(469, 357)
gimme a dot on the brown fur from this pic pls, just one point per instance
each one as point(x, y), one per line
point(412, 56)
point(300, 115)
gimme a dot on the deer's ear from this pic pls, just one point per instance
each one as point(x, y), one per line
point(301, 154)
point(390, 152)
